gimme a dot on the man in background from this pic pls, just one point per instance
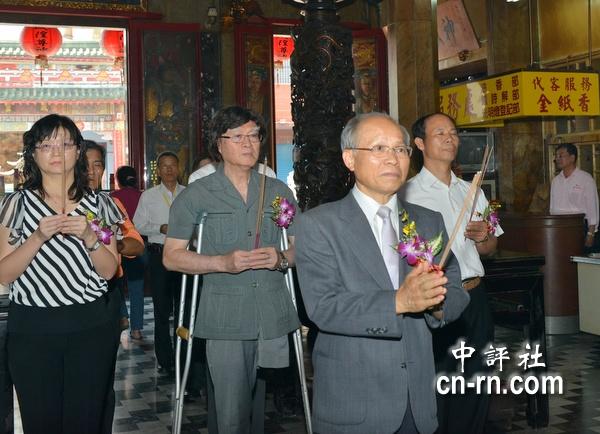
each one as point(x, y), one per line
point(574, 191)
point(206, 166)
point(436, 187)
point(151, 218)
point(129, 243)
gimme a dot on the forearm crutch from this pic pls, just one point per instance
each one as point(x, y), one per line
point(289, 280)
point(187, 334)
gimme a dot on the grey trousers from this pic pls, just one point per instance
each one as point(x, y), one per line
point(233, 366)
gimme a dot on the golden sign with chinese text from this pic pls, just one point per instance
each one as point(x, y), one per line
point(521, 94)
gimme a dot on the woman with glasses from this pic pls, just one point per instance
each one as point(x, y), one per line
point(245, 311)
point(57, 252)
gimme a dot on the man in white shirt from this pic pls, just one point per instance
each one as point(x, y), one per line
point(436, 187)
point(151, 219)
point(574, 191)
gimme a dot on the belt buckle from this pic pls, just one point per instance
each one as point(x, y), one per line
point(469, 284)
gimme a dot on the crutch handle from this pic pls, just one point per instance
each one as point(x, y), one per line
point(183, 333)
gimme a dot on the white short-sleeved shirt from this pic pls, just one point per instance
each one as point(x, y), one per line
point(426, 190)
point(153, 211)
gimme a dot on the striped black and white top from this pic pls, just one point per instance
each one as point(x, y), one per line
point(61, 273)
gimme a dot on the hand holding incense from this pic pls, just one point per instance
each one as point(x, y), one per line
point(470, 196)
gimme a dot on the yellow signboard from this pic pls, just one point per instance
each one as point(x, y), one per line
point(520, 94)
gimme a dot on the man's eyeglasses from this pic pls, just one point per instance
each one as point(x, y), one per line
point(381, 151)
point(47, 147)
point(239, 138)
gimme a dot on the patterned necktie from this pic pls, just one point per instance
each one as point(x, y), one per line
point(389, 240)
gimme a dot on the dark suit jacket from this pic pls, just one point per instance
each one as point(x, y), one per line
point(367, 359)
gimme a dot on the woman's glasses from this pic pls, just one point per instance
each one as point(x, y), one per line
point(48, 147)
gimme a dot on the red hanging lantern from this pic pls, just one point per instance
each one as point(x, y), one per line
point(41, 42)
point(113, 44)
point(282, 47)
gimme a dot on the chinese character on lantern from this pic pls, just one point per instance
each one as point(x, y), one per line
point(41, 42)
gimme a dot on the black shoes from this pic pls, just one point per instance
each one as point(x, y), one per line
point(167, 371)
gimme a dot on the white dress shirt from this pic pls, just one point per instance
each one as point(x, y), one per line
point(370, 207)
point(575, 194)
point(210, 168)
point(153, 211)
point(426, 190)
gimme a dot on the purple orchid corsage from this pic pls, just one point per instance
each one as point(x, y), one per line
point(283, 212)
point(415, 248)
point(490, 216)
point(98, 225)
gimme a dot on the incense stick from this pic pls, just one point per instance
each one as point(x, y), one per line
point(98, 182)
point(63, 184)
point(470, 195)
point(261, 203)
point(484, 164)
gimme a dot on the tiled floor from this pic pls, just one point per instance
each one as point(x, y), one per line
point(577, 359)
point(145, 399)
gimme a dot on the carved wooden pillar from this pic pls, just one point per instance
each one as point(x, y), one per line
point(322, 101)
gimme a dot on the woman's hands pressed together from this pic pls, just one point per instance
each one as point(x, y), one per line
point(50, 226)
point(77, 226)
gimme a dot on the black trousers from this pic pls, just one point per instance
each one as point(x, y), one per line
point(596, 246)
point(465, 414)
point(62, 379)
point(114, 305)
point(6, 391)
point(166, 287)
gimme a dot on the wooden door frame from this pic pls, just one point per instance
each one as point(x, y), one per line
point(136, 88)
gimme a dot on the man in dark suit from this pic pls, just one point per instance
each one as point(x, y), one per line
point(373, 360)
